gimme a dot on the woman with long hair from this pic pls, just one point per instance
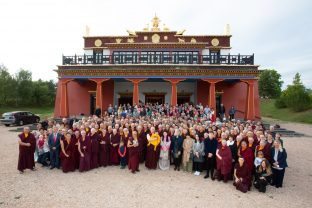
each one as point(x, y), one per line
point(263, 176)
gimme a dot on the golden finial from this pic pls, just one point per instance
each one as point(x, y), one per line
point(87, 32)
point(145, 29)
point(165, 28)
point(227, 29)
point(155, 22)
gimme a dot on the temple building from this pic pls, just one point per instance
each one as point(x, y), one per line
point(157, 65)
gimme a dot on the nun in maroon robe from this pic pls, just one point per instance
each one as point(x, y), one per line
point(104, 149)
point(114, 142)
point(94, 149)
point(85, 151)
point(242, 176)
point(142, 144)
point(76, 153)
point(133, 147)
point(27, 147)
point(67, 154)
point(248, 155)
point(224, 161)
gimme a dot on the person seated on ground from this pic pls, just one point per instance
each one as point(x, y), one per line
point(279, 163)
point(224, 162)
point(263, 176)
point(242, 176)
point(67, 153)
point(43, 151)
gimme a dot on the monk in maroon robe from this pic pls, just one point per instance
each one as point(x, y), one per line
point(224, 162)
point(94, 149)
point(84, 148)
point(76, 153)
point(142, 144)
point(104, 148)
point(114, 142)
point(133, 147)
point(27, 147)
point(248, 155)
point(67, 153)
point(242, 176)
point(152, 152)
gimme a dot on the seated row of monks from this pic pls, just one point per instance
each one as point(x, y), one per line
point(228, 151)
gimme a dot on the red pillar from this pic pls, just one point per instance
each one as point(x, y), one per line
point(250, 107)
point(212, 91)
point(64, 101)
point(135, 97)
point(99, 94)
point(174, 92)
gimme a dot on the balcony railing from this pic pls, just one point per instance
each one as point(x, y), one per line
point(158, 59)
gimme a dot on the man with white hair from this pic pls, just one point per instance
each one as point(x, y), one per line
point(27, 146)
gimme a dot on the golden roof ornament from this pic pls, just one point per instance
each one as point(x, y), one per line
point(227, 29)
point(180, 32)
point(146, 29)
point(165, 28)
point(155, 23)
point(131, 33)
point(87, 32)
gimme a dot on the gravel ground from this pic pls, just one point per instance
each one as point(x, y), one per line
point(112, 187)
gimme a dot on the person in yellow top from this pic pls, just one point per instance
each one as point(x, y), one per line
point(153, 149)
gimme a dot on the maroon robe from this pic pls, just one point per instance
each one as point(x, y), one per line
point(68, 163)
point(245, 174)
point(133, 163)
point(224, 165)
point(85, 147)
point(142, 146)
point(94, 151)
point(26, 154)
point(104, 150)
point(248, 155)
point(113, 156)
point(152, 156)
point(266, 152)
point(76, 153)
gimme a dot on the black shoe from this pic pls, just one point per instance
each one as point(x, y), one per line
point(52, 167)
point(178, 169)
point(175, 168)
point(206, 176)
point(137, 170)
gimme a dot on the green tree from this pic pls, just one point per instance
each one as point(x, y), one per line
point(296, 96)
point(7, 87)
point(24, 87)
point(270, 84)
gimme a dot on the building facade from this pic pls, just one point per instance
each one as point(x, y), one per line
point(157, 65)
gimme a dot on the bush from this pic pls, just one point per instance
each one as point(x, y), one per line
point(280, 102)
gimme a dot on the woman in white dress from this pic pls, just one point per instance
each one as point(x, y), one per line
point(164, 162)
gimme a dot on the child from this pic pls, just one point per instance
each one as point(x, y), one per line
point(122, 154)
point(258, 159)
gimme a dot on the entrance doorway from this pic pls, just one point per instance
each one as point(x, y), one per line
point(218, 104)
point(150, 98)
point(124, 100)
point(183, 99)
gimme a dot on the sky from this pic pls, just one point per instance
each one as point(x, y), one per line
point(35, 33)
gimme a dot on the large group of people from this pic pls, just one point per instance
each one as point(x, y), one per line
point(189, 138)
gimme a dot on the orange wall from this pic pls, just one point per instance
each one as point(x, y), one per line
point(202, 92)
point(233, 94)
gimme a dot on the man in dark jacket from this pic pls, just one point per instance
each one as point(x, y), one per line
point(211, 145)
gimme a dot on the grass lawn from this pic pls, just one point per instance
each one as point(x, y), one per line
point(269, 110)
point(40, 111)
